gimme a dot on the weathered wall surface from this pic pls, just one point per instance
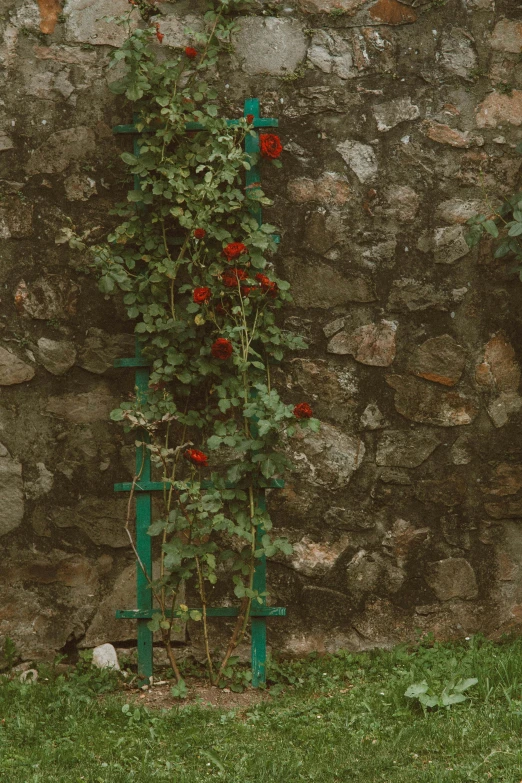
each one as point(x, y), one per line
point(399, 122)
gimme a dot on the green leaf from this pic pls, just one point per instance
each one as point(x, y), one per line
point(463, 685)
point(214, 442)
point(448, 699)
point(491, 228)
point(106, 284)
point(268, 468)
point(515, 230)
point(415, 690)
point(128, 158)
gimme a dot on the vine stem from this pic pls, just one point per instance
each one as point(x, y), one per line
point(203, 597)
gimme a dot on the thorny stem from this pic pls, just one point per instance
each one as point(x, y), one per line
point(203, 597)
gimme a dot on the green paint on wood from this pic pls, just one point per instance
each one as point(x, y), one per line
point(256, 610)
point(159, 486)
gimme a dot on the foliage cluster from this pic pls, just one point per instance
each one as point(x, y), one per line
point(193, 261)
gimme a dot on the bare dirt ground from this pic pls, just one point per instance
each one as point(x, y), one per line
point(158, 696)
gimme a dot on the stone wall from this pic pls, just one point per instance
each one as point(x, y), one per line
point(399, 122)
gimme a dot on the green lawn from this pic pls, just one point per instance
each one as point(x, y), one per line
point(341, 718)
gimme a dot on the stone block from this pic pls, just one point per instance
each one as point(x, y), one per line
point(47, 297)
point(499, 108)
point(13, 370)
point(402, 203)
point(452, 578)
point(409, 295)
point(83, 408)
point(85, 21)
point(458, 211)
point(507, 36)
point(6, 142)
point(270, 44)
point(330, 188)
point(60, 149)
point(426, 404)
point(498, 370)
point(105, 657)
point(439, 359)
point(327, 6)
point(449, 245)
point(457, 53)
point(11, 492)
point(392, 113)
point(49, 12)
point(327, 458)
point(372, 344)
point(448, 491)
point(179, 30)
point(443, 134)
point(316, 558)
point(102, 520)
point(360, 158)
point(392, 12)
point(372, 418)
point(322, 286)
point(41, 485)
point(57, 356)
point(502, 407)
point(100, 349)
point(332, 53)
point(406, 448)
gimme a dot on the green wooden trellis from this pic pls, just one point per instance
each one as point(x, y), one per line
point(145, 486)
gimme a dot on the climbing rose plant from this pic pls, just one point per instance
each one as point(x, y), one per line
point(196, 272)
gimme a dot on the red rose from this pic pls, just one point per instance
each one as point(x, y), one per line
point(234, 250)
point(270, 145)
point(201, 295)
point(196, 457)
point(303, 411)
point(159, 35)
point(267, 286)
point(246, 290)
point(231, 277)
point(199, 233)
point(222, 349)
point(250, 118)
point(190, 52)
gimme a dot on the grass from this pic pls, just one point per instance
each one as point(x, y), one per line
point(337, 718)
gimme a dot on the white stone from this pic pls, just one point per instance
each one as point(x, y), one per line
point(372, 418)
point(30, 675)
point(42, 485)
point(458, 55)
point(449, 244)
point(390, 114)
point(5, 142)
point(360, 158)
point(270, 45)
point(105, 657)
point(85, 21)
